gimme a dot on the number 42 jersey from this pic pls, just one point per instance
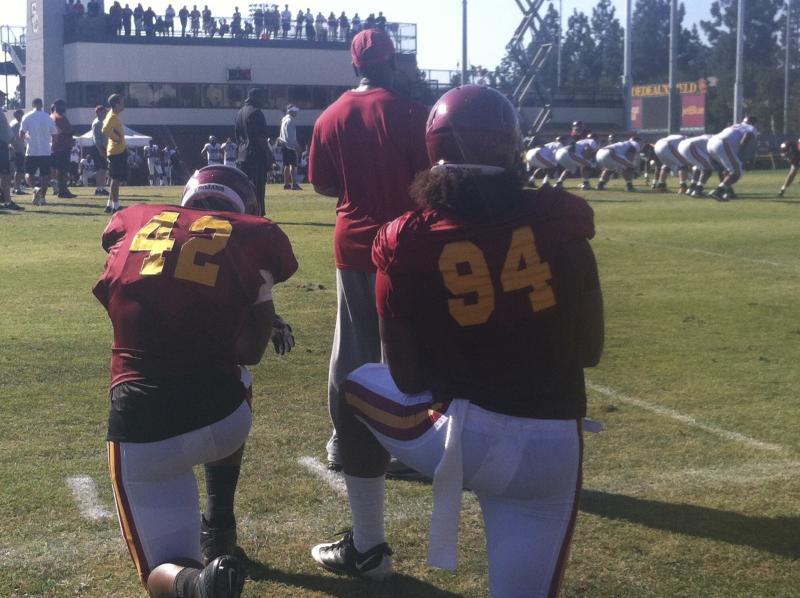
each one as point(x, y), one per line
point(177, 285)
point(495, 305)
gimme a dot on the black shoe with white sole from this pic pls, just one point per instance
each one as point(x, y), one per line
point(342, 557)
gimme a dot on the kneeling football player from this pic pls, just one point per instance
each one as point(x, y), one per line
point(188, 290)
point(490, 308)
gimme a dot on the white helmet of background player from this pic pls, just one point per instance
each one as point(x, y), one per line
point(222, 188)
point(212, 139)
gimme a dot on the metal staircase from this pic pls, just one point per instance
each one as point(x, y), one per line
point(12, 42)
point(530, 32)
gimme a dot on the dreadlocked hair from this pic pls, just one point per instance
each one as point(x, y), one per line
point(467, 196)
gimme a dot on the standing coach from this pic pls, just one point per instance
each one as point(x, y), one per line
point(365, 151)
point(255, 157)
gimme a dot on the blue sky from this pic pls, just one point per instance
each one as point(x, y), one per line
point(491, 22)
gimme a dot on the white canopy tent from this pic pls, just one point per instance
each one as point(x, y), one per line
point(132, 138)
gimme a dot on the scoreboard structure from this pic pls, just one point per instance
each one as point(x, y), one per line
point(650, 107)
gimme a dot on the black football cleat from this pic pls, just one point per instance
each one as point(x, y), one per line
point(718, 194)
point(217, 541)
point(342, 557)
point(222, 578)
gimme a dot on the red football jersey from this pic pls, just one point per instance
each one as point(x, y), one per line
point(177, 285)
point(370, 145)
point(494, 304)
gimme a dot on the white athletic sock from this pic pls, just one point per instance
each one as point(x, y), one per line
point(366, 497)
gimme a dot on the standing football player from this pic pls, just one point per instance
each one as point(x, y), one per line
point(727, 148)
point(666, 150)
point(695, 151)
point(490, 308)
point(212, 151)
point(618, 157)
point(790, 150)
point(366, 149)
point(577, 157)
point(188, 290)
point(230, 152)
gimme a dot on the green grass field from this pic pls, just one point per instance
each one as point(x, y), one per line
point(693, 489)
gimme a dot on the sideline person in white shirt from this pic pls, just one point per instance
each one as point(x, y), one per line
point(37, 128)
point(291, 148)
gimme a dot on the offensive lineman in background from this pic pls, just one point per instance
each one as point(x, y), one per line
point(695, 151)
point(618, 157)
point(543, 159)
point(490, 307)
point(666, 149)
point(727, 147)
point(577, 157)
point(180, 394)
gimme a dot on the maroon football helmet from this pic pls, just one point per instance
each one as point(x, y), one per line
point(219, 187)
point(474, 128)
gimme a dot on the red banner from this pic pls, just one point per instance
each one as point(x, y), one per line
point(693, 111)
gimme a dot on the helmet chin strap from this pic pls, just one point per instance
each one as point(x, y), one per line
point(467, 169)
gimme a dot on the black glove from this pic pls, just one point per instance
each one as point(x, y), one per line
point(282, 337)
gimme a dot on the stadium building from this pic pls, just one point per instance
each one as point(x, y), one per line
point(183, 89)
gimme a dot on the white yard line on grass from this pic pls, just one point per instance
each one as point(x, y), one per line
point(683, 418)
point(715, 254)
point(84, 491)
point(320, 471)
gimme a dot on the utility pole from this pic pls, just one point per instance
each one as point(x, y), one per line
point(673, 103)
point(464, 43)
point(627, 80)
point(560, 41)
point(786, 68)
point(738, 86)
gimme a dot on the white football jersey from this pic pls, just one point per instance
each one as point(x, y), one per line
point(622, 148)
point(584, 145)
point(214, 153)
point(735, 133)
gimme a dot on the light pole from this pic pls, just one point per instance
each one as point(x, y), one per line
point(738, 86)
point(786, 68)
point(674, 110)
point(627, 80)
point(464, 43)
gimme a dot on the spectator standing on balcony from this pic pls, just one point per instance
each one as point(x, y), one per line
point(321, 27)
point(114, 132)
point(149, 20)
point(333, 27)
point(78, 8)
point(183, 16)
point(61, 147)
point(380, 21)
point(138, 13)
point(169, 20)
point(344, 26)
point(366, 149)
point(100, 147)
point(37, 128)
point(224, 28)
point(355, 25)
point(299, 21)
point(311, 34)
point(255, 157)
point(276, 21)
point(195, 16)
point(93, 8)
point(286, 20)
point(236, 23)
point(369, 23)
point(127, 15)
point(258, 21)
point(291, 148)
point(114, 20)
point(160, 28)
point(206, 19)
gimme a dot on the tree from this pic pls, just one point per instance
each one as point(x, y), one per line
point(608, 37)
point(578, 54)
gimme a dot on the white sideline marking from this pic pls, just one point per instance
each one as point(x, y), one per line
point(684, 419)
point(319, 470)
point(714, 253)
point(84, 491)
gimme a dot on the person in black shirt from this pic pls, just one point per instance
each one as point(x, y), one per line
point(255, 158)
point(183, 15)
point(127, 15)
point(149, 19)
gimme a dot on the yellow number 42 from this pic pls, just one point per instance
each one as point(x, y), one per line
point(156, 238)
point(465, 272)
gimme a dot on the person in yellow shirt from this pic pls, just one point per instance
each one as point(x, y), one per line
point(114, 131)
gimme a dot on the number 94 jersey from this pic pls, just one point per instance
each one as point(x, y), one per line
point(495, 304)
point(178, 283)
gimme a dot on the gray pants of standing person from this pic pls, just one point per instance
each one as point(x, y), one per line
point(356, 339)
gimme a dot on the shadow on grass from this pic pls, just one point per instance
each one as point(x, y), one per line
point(345, 587)
point(776, 535)
point(59, 213)
point(325, 224)
point(593, 199)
